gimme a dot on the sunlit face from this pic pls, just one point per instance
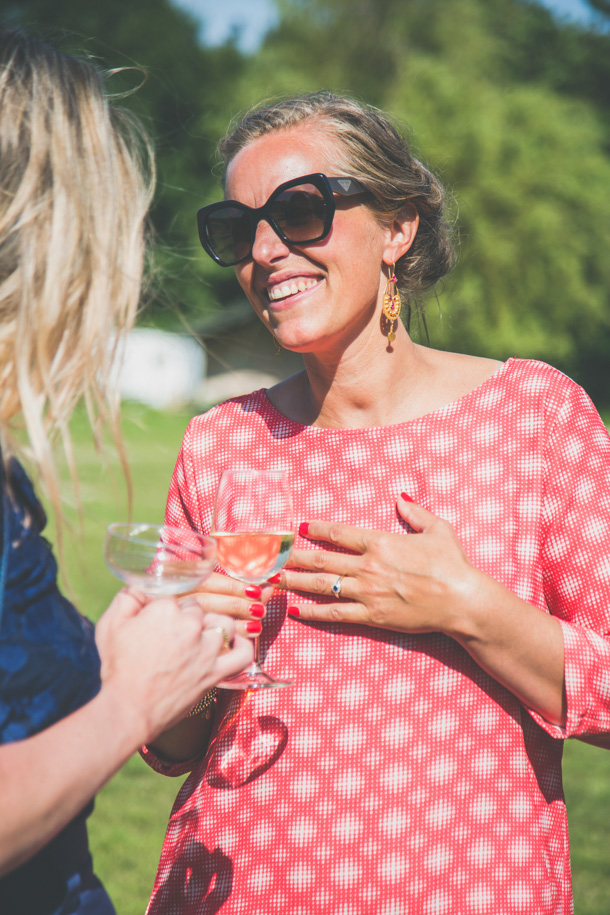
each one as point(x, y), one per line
point(316, 296)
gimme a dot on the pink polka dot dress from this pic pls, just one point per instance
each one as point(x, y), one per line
point(396, 776)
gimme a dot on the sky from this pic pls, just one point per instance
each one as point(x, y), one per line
point(252, 18)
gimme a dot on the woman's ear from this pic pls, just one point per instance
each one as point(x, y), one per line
point(401, 233)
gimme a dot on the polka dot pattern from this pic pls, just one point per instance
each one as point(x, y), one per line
point(396, 776)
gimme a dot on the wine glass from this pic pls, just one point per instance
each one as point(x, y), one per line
point(254, 531)
point(158, 559)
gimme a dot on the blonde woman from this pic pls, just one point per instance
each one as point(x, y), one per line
point(75, 184)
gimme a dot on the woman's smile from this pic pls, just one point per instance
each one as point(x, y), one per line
point(283, 289)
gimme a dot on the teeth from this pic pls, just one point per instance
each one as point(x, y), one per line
point(291, 288)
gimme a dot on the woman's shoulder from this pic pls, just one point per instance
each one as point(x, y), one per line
point(533, 375)
point(228, 410)
point(234, 421)
point(537, 378)
point(517, 386)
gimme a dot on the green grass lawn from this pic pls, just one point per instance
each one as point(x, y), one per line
point(131, 813)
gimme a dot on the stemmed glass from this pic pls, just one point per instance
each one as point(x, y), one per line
point(159, 559)
point(254, 531)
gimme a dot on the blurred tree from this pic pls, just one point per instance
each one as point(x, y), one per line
point(187, 93)
point(602, 6)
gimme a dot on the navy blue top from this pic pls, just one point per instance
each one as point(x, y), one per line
point(49, 666)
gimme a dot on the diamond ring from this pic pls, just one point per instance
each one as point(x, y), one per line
point(336, 588)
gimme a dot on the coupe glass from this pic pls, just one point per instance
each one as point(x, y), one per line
point(254, 531)
point(158, 559)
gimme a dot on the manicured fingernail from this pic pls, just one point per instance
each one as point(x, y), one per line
point(253, 591)
point(274, 580)
point(257, 610)
point(304, 528)
point(254, 627)
point(293, 611)
point(406, 497)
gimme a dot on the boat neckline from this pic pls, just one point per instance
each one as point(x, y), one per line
point(446, 408)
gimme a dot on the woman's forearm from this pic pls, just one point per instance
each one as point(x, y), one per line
point(518, 644)
point(46, 780)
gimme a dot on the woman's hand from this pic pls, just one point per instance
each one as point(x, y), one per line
point(404, 582)
point(246, 604)
point(160, 657)
point(424, 582)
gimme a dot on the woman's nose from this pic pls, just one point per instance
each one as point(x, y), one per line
point(267, 245)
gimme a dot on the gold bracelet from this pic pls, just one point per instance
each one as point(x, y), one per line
point(204, 705)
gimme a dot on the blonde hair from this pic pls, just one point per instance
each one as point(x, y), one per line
point(375, 154)
point(76, 178)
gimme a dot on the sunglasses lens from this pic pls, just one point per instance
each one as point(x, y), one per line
point(228, 232)
point(300, 213)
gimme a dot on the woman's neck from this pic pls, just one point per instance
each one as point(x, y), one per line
point(372, 385)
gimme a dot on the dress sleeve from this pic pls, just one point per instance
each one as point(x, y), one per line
point(182, 505)
point(181, 511)
point(576, 562)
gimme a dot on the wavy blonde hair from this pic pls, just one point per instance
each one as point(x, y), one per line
point(76, 178)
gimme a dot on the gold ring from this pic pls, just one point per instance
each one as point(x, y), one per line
point(226, 639)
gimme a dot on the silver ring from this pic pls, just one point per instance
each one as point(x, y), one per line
point(226, 639)
point(336, 588)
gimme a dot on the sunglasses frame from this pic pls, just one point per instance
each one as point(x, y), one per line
point(328, 187)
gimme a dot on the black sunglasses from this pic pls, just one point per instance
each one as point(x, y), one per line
point(300, 212)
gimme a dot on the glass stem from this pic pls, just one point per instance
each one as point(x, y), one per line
point(257, 652)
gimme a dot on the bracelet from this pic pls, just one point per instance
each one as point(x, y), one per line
point(204, 705)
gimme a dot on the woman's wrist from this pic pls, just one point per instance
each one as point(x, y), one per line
point(468, 606)
point(129, 724)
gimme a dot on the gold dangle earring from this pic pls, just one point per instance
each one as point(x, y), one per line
point(391, 306)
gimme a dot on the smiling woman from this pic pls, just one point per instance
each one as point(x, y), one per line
point(445, 612)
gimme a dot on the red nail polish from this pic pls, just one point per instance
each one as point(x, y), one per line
point(293, 611)
point(257, 610)
point(304, 528)
point(253, 591)
point(274, 580)
point(254, 627)
point(407, 498)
